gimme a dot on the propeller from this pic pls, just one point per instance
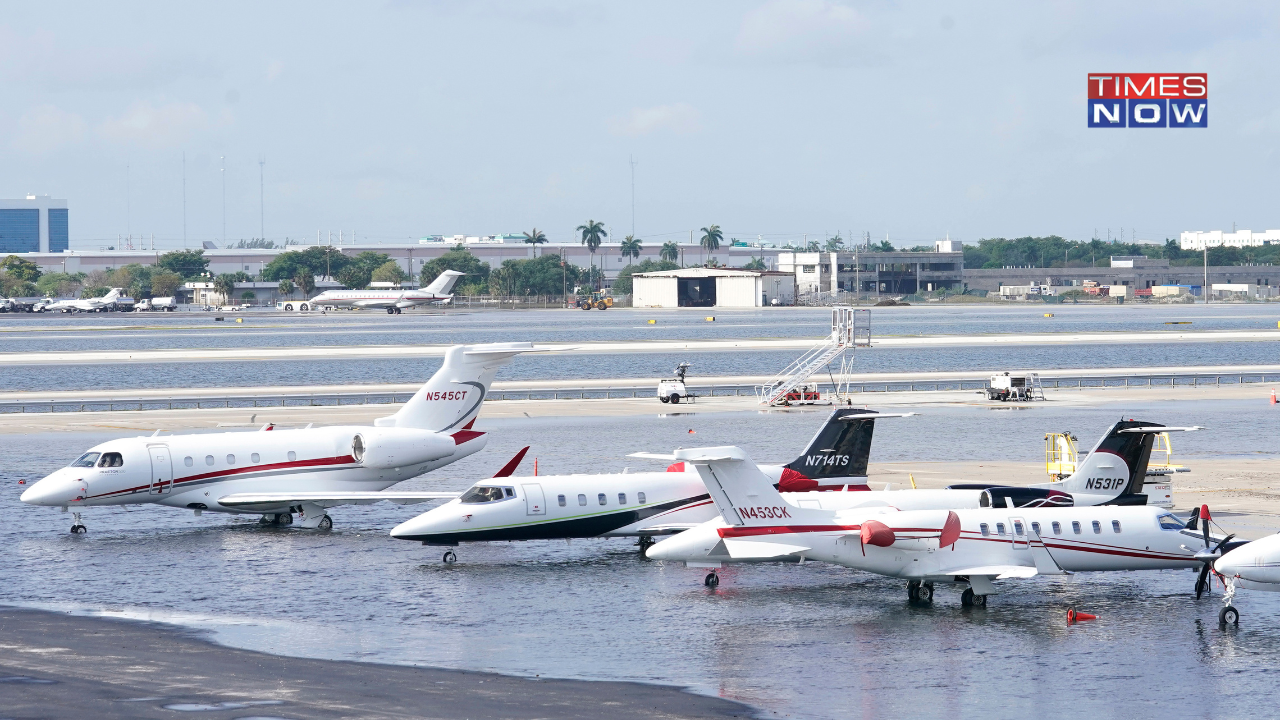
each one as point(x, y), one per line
point(1210, 552)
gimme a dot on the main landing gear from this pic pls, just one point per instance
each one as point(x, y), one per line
point(644, 543)
point(712, 579)
point(77, 527)
point(393, 311)
point(918, 592)
point(969, 599)
point(449, 557)
point(281, 519)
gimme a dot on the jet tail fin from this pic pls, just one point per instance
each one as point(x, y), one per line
point(743, 494)
point(444, 282)
point(1117, 465)
point(452, 397)
point(838, 452)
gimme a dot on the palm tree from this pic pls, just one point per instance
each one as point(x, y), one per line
point(669, 252)
point(535, 237)
point(711, 237)
point(593, 233)
point(305, 281)
point(286, 288)
point(225, 285)
point(835, 244)
point(631, 248)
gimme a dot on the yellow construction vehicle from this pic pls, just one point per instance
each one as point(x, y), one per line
point(597, 300)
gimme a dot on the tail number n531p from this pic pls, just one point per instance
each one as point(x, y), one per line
point(1104, 483)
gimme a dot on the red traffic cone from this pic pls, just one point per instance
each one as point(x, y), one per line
point(1073, 616)
point(1273, 396)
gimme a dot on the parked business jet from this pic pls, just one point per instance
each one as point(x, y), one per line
point(98, 304)
point(281, 472)
point(971, 547)
point(1252, 566)
point(393, 300)
point(642, 504)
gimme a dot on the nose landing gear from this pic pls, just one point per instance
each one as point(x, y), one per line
point(711, 580)
point(77, 527)
point(449, 557)
point(1229, 615)
point(645, 542)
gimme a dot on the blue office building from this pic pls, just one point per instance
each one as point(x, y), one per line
point(36, 223)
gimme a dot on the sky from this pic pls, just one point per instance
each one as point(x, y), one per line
point(773, 119)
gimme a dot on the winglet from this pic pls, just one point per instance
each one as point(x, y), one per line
point(512, 464)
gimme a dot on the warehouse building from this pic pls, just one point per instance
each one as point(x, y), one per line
point(712, 287)
point(1199, 240)
point(34, 224)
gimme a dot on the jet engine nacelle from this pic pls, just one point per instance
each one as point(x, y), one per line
point(399, 447)
point(999, 497)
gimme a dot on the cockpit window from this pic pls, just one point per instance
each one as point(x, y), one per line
point(111, 460)
point(86, 460)
point(484, 494)
point(1169, 522)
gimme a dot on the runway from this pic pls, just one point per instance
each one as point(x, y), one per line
point(349, 352)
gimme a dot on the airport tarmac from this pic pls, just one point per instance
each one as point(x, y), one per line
point(60, 665)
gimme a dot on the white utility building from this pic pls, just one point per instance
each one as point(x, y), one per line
point(1199, 240)
point(712, 287)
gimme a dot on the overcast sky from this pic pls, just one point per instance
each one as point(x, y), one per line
point(402, 119)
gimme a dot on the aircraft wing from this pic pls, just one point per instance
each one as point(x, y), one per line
point(667, 529)
point(268, 501)
point(759, 550)
point(376, 303)
point(999, 572)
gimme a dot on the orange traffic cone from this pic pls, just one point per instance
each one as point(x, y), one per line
point(1273, 396)
point(1073, 616)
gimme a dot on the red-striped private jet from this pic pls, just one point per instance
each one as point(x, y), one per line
point(282, 472)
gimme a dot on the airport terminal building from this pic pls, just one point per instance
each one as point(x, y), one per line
point(34, 224)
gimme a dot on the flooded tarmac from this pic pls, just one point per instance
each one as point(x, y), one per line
point(810, 641)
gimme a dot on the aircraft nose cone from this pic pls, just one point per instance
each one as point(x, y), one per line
point(669, 549)
point(52, 490)
point(421, 527)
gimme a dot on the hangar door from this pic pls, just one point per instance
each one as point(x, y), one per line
point(697, 292)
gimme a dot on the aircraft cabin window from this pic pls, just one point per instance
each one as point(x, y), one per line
point(231, 459)
point(208, 459)
point(622, 498)
point(999, 528)
point(1075, 527)
point(1169, 522)
point(1097, 527)
point(1036, 526)
point(640, 497)
point(1115, 526)
point(1017, 528)
point(561, 499)
point(481, 494)
point(86, 460)
point(111, 460)
point(509, 492)
point(292, 456)
point(985, 530)
point(1057, 528)
point(582, 499)
point(256, 457)
point(604, 499)
point(188, 461)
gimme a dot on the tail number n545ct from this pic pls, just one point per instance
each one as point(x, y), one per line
point(449, 395)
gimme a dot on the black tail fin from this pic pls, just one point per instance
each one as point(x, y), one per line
point(1099, 473)
point(839, 450)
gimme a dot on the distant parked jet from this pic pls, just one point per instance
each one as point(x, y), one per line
point(99, 304)
point(393, 300)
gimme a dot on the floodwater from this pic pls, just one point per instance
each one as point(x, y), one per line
point(802, 641)
point(191, 330)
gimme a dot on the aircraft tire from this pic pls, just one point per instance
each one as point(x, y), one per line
point(924, 594)
point(449, 557)
point(79, 529)
point(283, 519)
point(913, 590)
point(1229, 616)
point(326, 523)
point(664, 400)
point(966, 598)
point(712, 580)
point(391, 311)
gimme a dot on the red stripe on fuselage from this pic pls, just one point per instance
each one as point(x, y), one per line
point(317, 462)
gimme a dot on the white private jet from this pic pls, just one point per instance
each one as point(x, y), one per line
point(1249, 565)
point(971, 547)
point(644, 504)
point(393, 300)
point(281, 472)
point(98, 304)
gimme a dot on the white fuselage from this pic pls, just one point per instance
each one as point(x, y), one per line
point(627, 505)
point(196, 470)
point(376, 298)
point(1255, 566)
point(1078, 539)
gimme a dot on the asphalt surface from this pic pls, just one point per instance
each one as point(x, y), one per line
point(55, 665)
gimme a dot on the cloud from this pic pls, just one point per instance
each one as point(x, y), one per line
point(804, 31)
point(45, 128)
point(680, 118)
point(145, 124)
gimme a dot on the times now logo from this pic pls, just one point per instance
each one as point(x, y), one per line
point(1149, 100)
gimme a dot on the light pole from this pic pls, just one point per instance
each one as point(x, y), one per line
point(223, 161)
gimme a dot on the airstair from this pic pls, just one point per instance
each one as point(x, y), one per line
point(849, 328)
